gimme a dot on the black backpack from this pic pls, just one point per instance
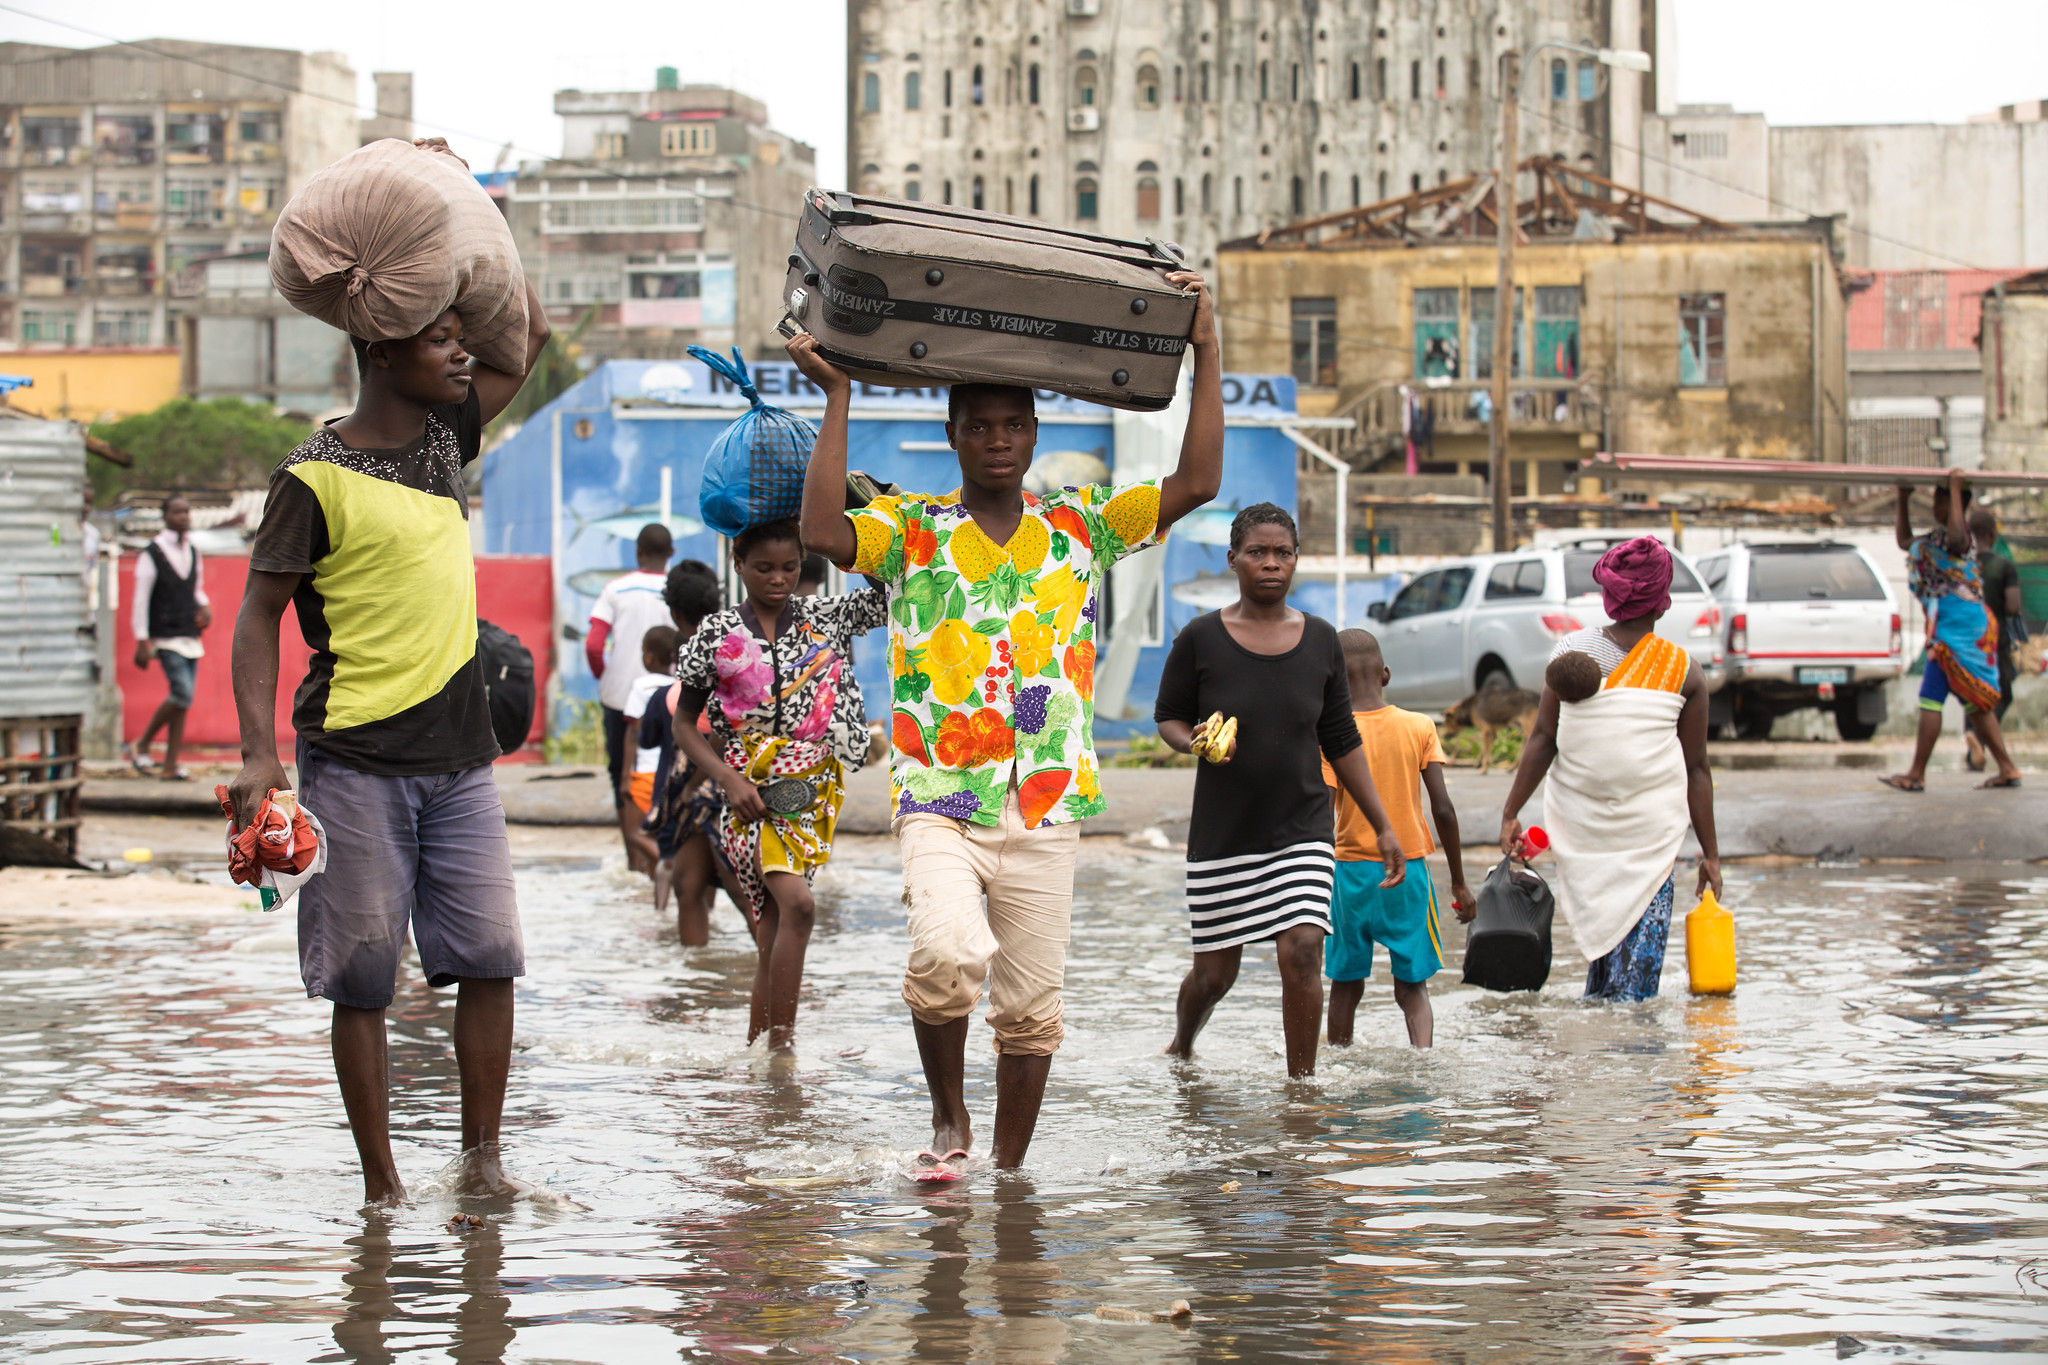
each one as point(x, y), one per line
point(1508, 945)
point(508, 684)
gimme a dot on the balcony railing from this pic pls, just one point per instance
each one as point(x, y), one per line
point(1462, 407)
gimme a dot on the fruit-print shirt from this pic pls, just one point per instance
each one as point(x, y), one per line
point(992, 647)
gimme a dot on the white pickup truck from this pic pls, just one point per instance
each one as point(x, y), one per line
point(1492, 620)
point(1810, 623)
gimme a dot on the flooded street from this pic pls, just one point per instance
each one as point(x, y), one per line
point(1853, 1148)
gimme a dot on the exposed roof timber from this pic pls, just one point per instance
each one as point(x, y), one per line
point(1467, 208)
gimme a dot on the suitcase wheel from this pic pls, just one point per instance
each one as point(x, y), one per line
point(917, 350)
point(1137, 305)
point(935, 276)
point(1120, 378)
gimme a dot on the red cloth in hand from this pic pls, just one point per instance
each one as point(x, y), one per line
point(271, 841)
point(593, 646)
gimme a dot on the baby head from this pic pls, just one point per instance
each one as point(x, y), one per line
point(1573, 676)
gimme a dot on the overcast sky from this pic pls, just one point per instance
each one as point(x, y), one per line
point(484, 75)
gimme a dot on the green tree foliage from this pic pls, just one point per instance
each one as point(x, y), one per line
point(557, 370)
point(190, 443)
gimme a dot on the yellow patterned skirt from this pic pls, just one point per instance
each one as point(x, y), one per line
point(799, 843)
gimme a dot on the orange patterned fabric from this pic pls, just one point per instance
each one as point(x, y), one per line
point(1655, 663)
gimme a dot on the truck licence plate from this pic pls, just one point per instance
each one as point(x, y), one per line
point(1811, 676)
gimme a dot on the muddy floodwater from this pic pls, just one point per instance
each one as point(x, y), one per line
point(1845, 1159)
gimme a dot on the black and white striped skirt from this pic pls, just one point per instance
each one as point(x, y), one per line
point(1256, 895)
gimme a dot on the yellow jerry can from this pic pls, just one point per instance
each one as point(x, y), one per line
point(1710, 947)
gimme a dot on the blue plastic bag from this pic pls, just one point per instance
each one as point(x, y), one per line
point(754, 471)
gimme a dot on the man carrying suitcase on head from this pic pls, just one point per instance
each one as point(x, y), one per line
point(992, 651)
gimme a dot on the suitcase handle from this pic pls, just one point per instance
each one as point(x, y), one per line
point(845, 214)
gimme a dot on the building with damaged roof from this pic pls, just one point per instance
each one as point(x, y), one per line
point(1638, 325)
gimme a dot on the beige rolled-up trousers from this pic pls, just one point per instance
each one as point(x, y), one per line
point(1018, 945)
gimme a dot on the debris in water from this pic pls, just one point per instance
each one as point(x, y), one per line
point(1180, 1310)
point(794, 1182)
point(137, 855)
point(840, 1289)
point(464, 1222)
point(1230, 1187)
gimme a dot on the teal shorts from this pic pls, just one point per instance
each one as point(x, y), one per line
point(1402, 919)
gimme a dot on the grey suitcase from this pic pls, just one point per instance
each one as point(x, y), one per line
point(903, 293)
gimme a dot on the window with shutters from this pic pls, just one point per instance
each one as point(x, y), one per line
point(1085, 194)
point(911, 91)
point(1148, 198)
point(1315, 342)
point(701, 139)
point(1703, 340)
point(1148, 87)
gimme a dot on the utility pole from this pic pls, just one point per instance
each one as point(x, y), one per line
point(1628, 59)
point(1505, 212)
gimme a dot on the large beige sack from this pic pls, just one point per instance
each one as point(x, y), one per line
point(390, 237)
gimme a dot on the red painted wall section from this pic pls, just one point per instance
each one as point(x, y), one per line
point(1921, 309)
point(511, 590)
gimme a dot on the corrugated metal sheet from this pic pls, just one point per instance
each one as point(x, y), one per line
point(46, 660)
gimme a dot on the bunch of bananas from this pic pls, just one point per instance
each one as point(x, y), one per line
point(1218, 734)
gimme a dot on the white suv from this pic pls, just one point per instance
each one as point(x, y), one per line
point(1810, 623)
point(1493, 619)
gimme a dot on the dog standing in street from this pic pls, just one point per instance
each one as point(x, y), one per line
point(1492, 710)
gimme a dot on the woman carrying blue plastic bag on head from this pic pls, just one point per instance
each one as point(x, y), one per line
point(775, 676)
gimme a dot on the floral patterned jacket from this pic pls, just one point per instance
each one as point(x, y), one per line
point(992, 647)
point(801, 686)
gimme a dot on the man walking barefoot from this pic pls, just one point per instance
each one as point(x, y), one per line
point(992, 652)
point(366, 532)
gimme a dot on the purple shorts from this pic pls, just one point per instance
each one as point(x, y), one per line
point(428, 853)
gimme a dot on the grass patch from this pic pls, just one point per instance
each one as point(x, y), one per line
point(581, 741)
point(1463, 747)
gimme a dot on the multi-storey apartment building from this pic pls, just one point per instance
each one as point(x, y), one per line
point(1207, 120)
point(121, 166)
point(671, 211)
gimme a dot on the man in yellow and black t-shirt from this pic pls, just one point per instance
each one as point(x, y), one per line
point(366, 533)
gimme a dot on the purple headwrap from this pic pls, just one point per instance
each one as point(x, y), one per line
point(1635, 579)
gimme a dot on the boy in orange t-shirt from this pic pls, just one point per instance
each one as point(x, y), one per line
point(1399, 745)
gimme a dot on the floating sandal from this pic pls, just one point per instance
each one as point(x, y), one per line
point(938, 1170)
point(1899, 782)
point(2000, 781)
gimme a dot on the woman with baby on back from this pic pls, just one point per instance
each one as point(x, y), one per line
point(1621, 733)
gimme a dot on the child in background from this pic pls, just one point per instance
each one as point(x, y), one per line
point(1399, 745)
point(1573, 676)
point(684, 817)
point(657, 662)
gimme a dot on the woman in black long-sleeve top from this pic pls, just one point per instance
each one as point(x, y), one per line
point(1261, 847)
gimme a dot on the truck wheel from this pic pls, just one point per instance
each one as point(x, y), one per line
point(1846, 723)
point(1493, 673)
